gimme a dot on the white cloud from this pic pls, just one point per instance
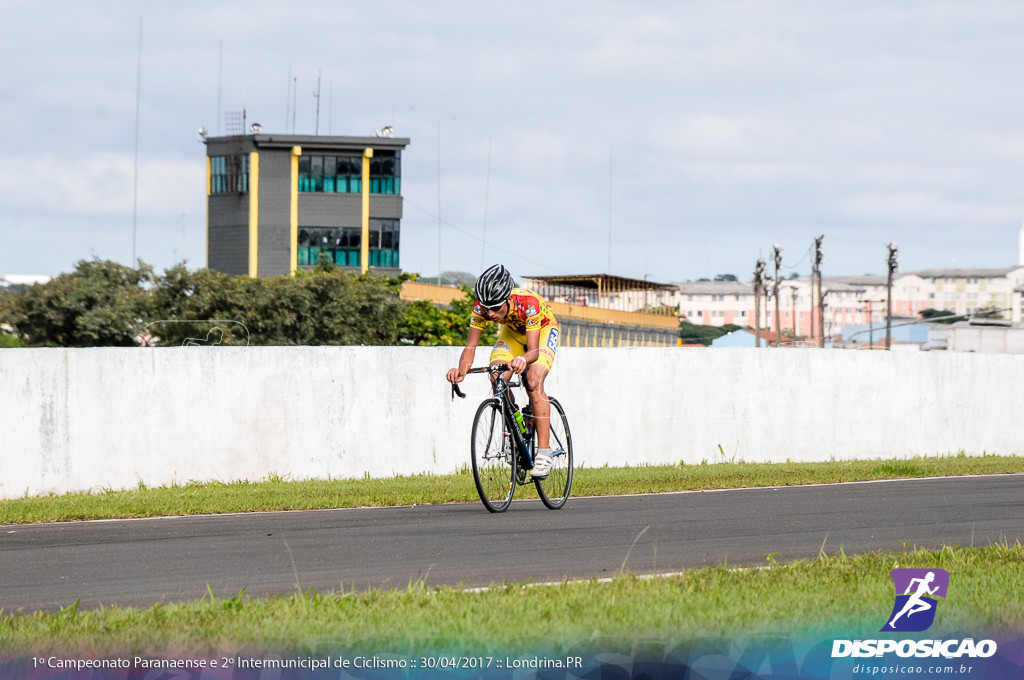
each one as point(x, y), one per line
point(731, 125)
point(918, 207)
point(101, 186)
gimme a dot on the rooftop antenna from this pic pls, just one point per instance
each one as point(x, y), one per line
point(135, 188)
point(609, 211)
point(316, 95)
point(440, 277)
point(288, 100)
point(295, 82)
point(220, 80)
point(487, 191)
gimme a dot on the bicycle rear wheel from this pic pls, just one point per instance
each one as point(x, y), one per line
point(554, 489)
point(494, 462)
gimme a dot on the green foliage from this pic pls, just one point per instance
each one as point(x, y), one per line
point(6, 307)
point(940, 315)
point(103, 303)
point(425, 323)
point(692, 334)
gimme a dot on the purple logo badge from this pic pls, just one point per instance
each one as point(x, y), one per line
point(916, 590)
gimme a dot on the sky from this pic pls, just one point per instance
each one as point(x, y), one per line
point(670, 140)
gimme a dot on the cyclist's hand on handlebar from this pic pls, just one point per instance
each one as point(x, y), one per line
point(454, 376)
point(518, 365)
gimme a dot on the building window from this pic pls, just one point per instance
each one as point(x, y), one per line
point(344, 174)
point(229, 174)
point(343, 245)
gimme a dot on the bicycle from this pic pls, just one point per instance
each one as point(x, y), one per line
point(502, 450)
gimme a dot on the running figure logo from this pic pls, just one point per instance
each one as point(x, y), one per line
point(916, 590)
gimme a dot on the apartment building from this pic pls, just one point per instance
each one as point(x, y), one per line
point(717, 303)
point(854, 300)
point(966, 291)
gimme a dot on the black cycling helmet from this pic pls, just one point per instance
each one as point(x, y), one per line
point(493, 286)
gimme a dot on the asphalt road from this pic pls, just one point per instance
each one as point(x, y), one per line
point(139, 562)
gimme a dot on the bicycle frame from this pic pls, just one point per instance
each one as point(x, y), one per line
point(523, 443)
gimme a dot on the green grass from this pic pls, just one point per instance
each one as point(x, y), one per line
point(851, 594)
point(277, 493)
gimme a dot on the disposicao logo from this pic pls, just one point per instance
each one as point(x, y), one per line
point(916, 593)
point(914, 611)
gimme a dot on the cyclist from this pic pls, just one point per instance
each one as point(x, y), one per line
point(527, 343)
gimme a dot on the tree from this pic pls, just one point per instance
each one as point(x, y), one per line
point(697, 334)
point(940, 315)
point(6, 305)
point(106, 304)
point(188, 305)
point(101, 303)
point(425, 323)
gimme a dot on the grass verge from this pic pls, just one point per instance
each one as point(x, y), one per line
point(278, 493)
point(831, 593)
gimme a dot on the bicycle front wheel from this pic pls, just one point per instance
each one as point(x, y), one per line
point(554, 489)
point(494, 463)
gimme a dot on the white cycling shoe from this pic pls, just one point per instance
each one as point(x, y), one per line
point(542, 462)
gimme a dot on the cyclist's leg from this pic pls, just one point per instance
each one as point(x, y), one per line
point(536, 374)
point(505, 350)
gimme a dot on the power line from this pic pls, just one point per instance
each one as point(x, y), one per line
point(476, 237)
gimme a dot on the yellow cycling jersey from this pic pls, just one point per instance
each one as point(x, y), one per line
point(527, 311)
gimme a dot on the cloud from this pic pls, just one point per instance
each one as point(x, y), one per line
point(100, 186)
point(919, 207)
point(700, 128)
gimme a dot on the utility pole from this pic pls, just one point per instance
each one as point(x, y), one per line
point(775, 292)
point(818, 302)
point(767, 290)
point(892, 263)
point(758, 284)
point(871, 319)
point(792, 307)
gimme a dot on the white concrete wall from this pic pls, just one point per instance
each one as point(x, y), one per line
point(74, 420)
